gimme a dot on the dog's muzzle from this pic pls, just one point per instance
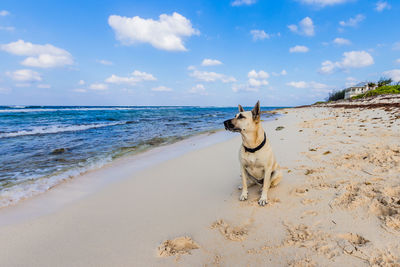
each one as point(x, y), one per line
point(230, 127)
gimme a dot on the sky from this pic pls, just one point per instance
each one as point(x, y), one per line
point(202, 53)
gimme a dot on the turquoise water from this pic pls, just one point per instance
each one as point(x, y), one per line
point(41, 146)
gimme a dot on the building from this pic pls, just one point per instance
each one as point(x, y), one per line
point(357, 89)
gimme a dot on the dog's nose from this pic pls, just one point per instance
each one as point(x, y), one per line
point(228, 124)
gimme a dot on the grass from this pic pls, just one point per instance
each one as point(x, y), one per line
point(384, 90)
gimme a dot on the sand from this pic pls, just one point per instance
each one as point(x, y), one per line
point(338, 203)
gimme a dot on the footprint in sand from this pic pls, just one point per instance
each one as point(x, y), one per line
point(307, 201)
point(178, 246)
point(233, 233)
point(306, 262)
point(309, 213)
point(300, 191)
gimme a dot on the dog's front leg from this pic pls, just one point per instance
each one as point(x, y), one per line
point(244, 194)
point(264, 194)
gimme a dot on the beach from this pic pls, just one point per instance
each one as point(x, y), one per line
point(338, 203)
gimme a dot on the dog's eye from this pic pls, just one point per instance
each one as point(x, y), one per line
point(241, 116)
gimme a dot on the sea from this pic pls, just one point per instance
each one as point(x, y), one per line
point(41, 146)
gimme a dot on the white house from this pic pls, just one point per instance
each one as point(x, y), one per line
point(357, 89)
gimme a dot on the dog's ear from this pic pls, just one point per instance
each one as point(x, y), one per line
point(241, 108)
point(256, 111)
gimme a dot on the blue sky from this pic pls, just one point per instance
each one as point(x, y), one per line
point(203, 53)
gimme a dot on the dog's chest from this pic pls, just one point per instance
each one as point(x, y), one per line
point(253, 166)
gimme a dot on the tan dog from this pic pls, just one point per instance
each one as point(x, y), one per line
point(257, 162)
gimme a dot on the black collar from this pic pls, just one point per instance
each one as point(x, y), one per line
point(252, 150)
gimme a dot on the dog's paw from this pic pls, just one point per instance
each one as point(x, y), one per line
point(262, 201)
point(243, 196)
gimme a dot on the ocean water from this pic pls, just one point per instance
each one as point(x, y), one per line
point(41, 146)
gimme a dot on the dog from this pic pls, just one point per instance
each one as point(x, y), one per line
point(257, 161)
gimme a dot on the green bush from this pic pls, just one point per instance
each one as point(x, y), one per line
point(384, 90)
point(336, 95)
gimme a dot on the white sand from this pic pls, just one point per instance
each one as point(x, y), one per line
point(338, 204)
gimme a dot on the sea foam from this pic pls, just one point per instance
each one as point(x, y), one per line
point(57, 129)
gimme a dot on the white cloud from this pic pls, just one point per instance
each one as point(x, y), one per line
point(198, 89)
point(323, 3)
point(257, 83)
point(161, 89)
point(143, 76)
point(98, 86)
point(259, 35)
point(398, 60)
point(341, 41)
point(382, 5)
point(328, 67)
point(258, 75)
point(105, 62)
point(25, 75)
point(282, 73)
point(243, 2)
point(211, 76)
point(136, 77)
point(299, 49)
point(257, 79)
point(352, 22)
point(314, 86)
point(305, 27)
point(210, 62)
point(81, 82)
point(4, 13)
point(42, 56)
point(300, 84)
point(356, 59)
point(45, 86)
point(167, 33)
point(393, 74)
point(7, 28)
point(352, 59)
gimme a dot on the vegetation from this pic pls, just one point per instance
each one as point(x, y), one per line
point(383, 90)
point(384, 82)
point(384, 86)
point(336, 95)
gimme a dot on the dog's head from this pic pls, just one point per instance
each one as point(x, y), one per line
point(244, 121)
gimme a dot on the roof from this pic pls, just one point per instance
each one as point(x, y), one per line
point(362, 84)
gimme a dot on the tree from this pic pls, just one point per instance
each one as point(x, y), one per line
point(384, 81)
point(371, 84)
point(336, 95)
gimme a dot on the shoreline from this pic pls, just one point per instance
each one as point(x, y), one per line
point(336, 204)
point(72, 189)
point(66, 161)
